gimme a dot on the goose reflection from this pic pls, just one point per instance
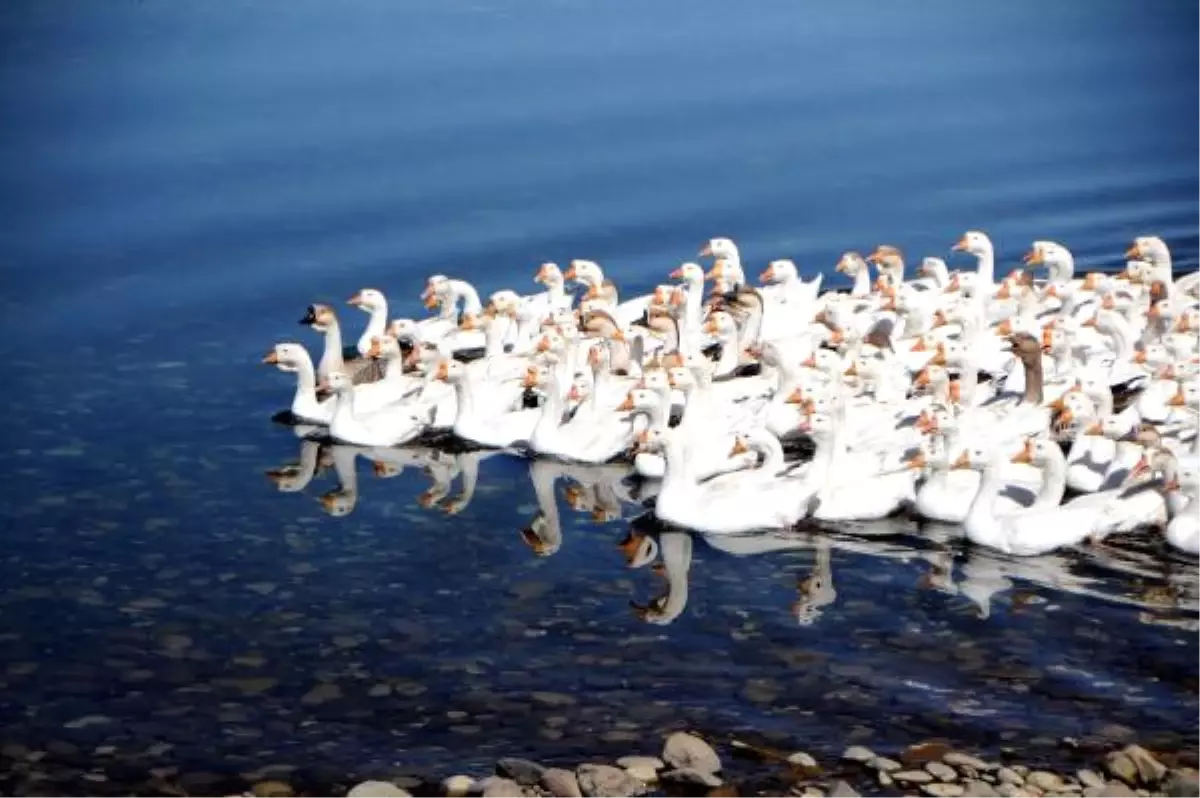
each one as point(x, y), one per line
point(593, 489)
point(1131, 572)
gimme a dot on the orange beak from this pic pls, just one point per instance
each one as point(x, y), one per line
point(271, 357)
point(1047, 339)
point(375, 349)
point(627, 405)
point(574, 395)
point(954, 284)
point(355, 300)
point(955, 391)
point(963, 461)
point(926, 423)
point(531, 378)
point(543, 344)
point(916, 462)
point(469, 322)
point(677, 274)
point(443, 371)
point(962, 246)
point(852, 371)
point(922, 378)
point(1004, 327)
point(796, 397)
point(1090, 322)
point(1026, 453)
point(920, 346)
point(1066, 417)
point(571, 274)
point(739, 446)
point(1095, 428)
point(811, 362)
point(618, 335)
point(717, 272)
point(705, 251)
point(593, 292)
point(1178, 400)
point(1033, 257)
point(629, 547)
point(1134, 252)
point(837, 337)
point(767, 275)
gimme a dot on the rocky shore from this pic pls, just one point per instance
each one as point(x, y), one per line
point(688, 765)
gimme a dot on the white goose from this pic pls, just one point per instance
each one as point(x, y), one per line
point(294, 358)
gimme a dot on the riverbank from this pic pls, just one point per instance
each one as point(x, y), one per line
point(690, 766)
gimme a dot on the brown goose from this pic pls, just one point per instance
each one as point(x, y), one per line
point(358, 368)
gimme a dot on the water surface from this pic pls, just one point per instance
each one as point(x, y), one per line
point(180, 179)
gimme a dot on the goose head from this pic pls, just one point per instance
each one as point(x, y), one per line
point(975, 458)
point(975, 243)
point(720, 324)
point(337, 383)
point(369, 300)
point(890, 261)
point(549, 274)
point(1037, 451)
point(403, 330)
point(690, 273)
point(338, 503)
point(720, 248)
point(287, 356)
point(384, 346)
point(436, 289)
point(779, 271)
point(319, 317)
point(1151, 249)
point(726, 274)
point(505, 302)
point(851, 264)
point(933, 267)
point(585, 271)
point(541, 537)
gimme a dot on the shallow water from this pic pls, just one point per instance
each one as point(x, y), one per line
point(180, 180)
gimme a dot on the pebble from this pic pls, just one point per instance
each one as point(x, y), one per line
point(273, 789)
point(961, 760)
point(320, 694)
point(1010, 790)
point(376, 789)
point(1149, 770)
point(1116, 790)
point(561, 783)
point(1044, 780)
point(912, 776)
point(802, 759)
point(607, 781)
point(523, 771)
point(652, 762)
point(457, 786)
point(858, 753)
point(642, 773)
point(683, 750)
point(548, 699)
point(943, 790)
point(884, 764)
point(980, 789)
point(1010, 776)
point(1181, 782)
point(885, 780)
point(941, 771)
point(1089, 778)
point(498, 787)
point(841, 789)
point(689, 777)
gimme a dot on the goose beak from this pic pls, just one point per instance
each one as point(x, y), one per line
point(920, 346)
point(1094, 428)
point(1066, 418)
point(768, 274)
point(1134, 252)
point(443, 372)
point(963, 461)
point(739, 447)
point(1178, 400)
point(375, 349)
point(626, 405)
point(271, 357)
point(629, 546)
point(916, 462)
point(1141, 467)
point(1025, 455)
point(715, 273)
point(469, 322)
point(962, 246)
point(796, 397)
point(1033, 257)
point(530, 539)
point(677, 274)
point(705, 251)
point(573, 395)
point(571, 274)
point(355, 300)
point(431, 301)
point(530, 380)
point(1171, 485)
point(810, 363)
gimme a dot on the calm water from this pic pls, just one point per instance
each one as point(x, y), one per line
point(180, 179)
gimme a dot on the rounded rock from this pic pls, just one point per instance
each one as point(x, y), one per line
point(523, 771)
point(912, 776)
point(690, 777)
point(606, 781)
point(561, 783)
point(457, 786)
point(633, 761)
point(941, 771)
point(858, 753)
point(980, 789)
point(683, 750)
point(376, 789)
point(943, 790)
point(273, 789)
point(1010, 776)
point(499, 787)
point(960, 760)
point(802, 759)
point(884, 764)
point(1045, 781)
point(841, 789)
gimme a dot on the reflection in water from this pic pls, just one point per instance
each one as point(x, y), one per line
point(1163, 587)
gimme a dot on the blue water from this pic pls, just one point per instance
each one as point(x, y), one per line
point(178, 180)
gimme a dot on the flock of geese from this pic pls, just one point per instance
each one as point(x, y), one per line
point(1032, 412)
